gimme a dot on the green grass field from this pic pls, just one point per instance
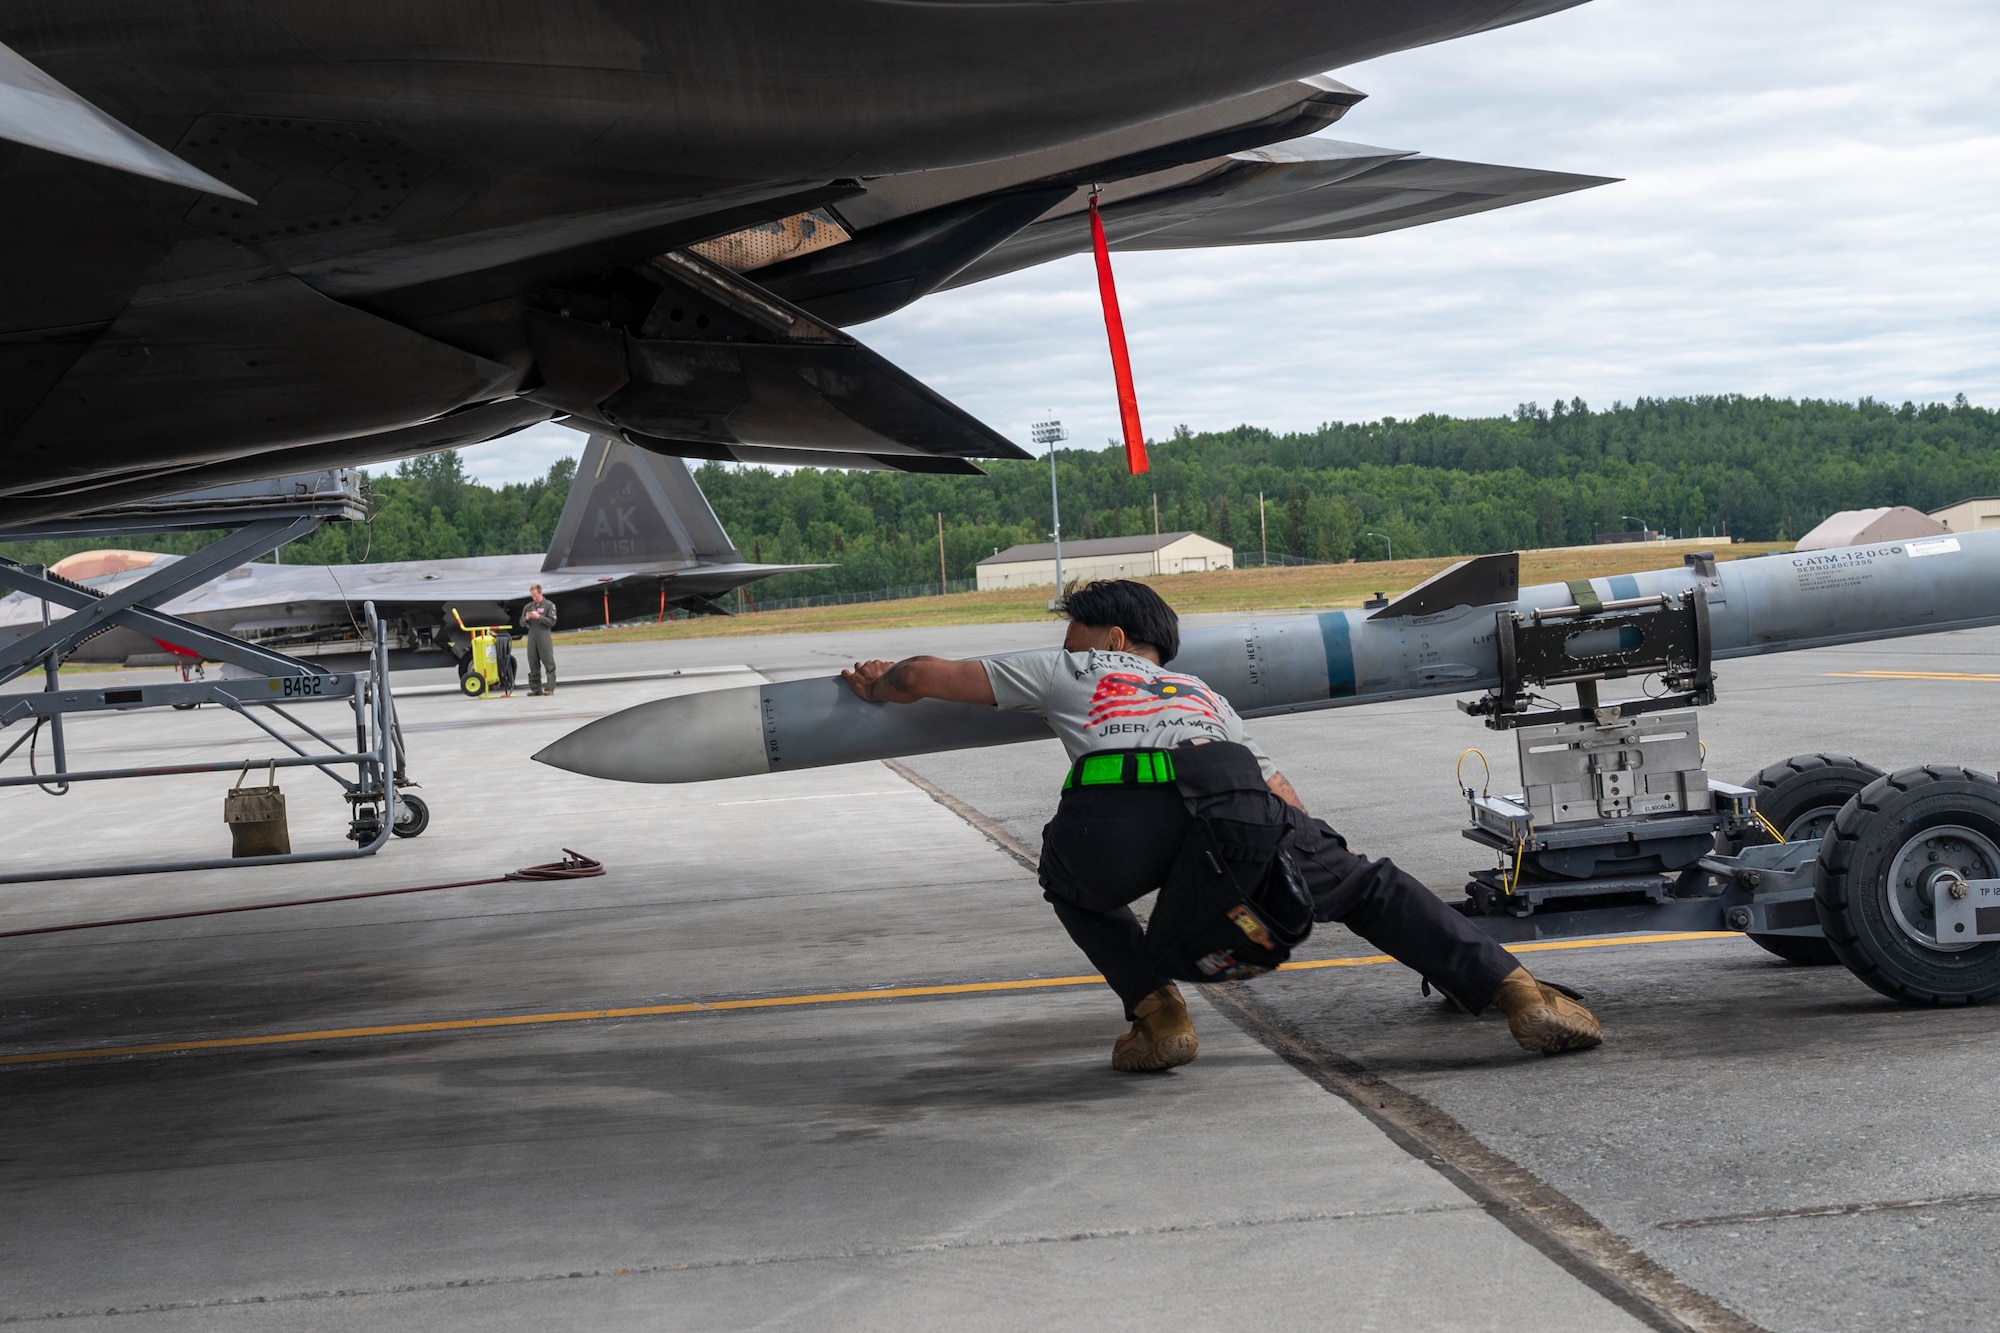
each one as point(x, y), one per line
point(1308, 587)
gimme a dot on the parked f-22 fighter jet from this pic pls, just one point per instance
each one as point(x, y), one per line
point(635, 538)
point(251, 239)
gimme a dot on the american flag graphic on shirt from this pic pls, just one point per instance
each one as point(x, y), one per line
point(1119, 695)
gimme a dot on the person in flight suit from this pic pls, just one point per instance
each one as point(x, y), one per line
point(538, 618)
point(1113, 840)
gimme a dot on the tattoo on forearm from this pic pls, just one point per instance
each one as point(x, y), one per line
point(897, 678)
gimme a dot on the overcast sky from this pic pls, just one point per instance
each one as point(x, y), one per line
point(1810, 206)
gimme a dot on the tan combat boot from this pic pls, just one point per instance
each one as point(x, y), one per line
point(1544, 1019)
point(1161, 1037)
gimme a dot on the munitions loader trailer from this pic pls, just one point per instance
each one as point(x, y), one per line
point(1618, 827)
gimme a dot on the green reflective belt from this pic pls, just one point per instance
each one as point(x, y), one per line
point(1121, 768)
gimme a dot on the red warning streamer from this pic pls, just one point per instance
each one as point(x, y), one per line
point(1121, 360)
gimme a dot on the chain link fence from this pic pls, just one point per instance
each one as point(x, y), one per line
point(752, 602)
point(1272, 560)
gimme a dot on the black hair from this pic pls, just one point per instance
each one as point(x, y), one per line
point(1133, 607)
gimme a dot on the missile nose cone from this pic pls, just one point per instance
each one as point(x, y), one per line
point(685, 738)
point(574, 752)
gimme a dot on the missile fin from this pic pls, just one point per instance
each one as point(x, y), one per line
point(1484, 580)
point(37, 111)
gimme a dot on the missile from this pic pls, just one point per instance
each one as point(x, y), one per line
point(1438, 638)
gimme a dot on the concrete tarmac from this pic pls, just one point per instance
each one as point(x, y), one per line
point(679, 1097)
point(409, 1112)
point(1851, 1129)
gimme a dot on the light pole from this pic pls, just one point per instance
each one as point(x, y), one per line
point(1385, 541)
point(1051, 433)
point(1645, 528)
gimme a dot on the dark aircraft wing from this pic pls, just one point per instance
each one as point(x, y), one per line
point(927, 234)
point(721, 369)
point(652, 219)
point(909, 234)
point(1305, 190)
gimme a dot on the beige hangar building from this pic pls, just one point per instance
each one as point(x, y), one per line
point(1981, 511)
point(1859, 527)
point(1104, 558)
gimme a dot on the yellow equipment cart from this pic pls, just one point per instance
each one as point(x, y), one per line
point(490, 664)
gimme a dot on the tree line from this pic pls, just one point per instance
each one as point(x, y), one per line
point(1757, 468)
point(1762, 469)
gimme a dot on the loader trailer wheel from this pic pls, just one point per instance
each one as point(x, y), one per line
point(1876, 870)
point(1801, 796)
point(1805, 950)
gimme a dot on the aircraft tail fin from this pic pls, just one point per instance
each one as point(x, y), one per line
point(631, 505)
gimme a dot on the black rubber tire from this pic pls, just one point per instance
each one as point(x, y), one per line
point(1802, 786)
point(1852, 892)
point(413, 816)
point(1796, 790)
point(1805, 950)
point(472, 683)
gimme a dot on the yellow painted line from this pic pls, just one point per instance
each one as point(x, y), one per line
point(1547, 946)
point(531, 1020)
point(1539, 946)
point(722, 1006)
point(1914, 675)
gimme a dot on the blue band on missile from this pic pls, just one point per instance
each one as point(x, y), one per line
point(1624, 585)
point(1338, 638)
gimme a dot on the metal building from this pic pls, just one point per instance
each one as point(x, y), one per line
point(1970, 515)
point(1139, 557)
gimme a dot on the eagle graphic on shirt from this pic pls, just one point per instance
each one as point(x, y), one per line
point(1121, 695)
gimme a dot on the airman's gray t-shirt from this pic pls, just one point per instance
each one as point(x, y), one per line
point(1115, 701)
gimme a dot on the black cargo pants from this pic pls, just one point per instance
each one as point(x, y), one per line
point(1109, 846)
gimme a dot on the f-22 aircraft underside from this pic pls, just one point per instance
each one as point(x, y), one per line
point(248, 239)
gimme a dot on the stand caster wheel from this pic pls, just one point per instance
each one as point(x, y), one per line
point(413, 816)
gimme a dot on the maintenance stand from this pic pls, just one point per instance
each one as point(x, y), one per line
point(258, 518)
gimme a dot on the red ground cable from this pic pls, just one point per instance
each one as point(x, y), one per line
point(574, 865)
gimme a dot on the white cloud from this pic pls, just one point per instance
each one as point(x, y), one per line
point(1809, 208)
point(523, 456)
